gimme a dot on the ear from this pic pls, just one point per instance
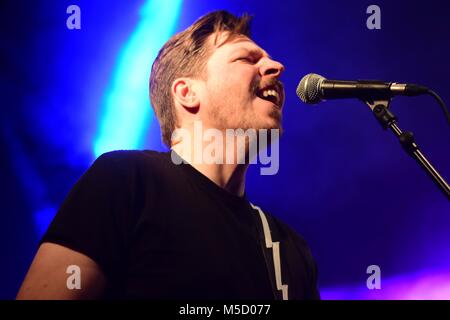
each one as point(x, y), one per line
point(183, 90)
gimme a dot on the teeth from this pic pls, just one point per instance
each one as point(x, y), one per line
point(270, 93)
point(273, 93)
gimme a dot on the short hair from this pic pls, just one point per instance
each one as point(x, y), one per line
point(185, 55)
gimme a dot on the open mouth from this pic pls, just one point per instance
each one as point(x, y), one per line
point(272, 93)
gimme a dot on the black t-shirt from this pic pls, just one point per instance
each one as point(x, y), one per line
point(164, 231)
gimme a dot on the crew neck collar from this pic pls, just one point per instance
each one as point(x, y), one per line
point(207, 183)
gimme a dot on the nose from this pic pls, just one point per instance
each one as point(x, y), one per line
point(271, 68)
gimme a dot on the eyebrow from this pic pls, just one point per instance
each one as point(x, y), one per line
point(255, 51)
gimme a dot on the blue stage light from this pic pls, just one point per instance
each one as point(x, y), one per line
point(126, 113)
point(42, 219)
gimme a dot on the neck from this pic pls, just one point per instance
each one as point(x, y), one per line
point(229, 175)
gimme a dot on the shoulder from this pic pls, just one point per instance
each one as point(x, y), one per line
point(296, 249)
point(289, 231)
point(133, 157)
point(122, 168)
point(131, 162)
point(284, 231)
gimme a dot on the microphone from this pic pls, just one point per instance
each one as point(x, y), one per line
point(314, 88)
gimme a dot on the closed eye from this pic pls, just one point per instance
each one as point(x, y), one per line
point(246, 59)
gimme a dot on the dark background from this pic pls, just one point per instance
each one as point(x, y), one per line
point(344, 183)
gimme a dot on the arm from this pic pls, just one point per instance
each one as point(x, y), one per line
point(47, 277)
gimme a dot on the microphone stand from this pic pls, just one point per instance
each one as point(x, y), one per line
point(387, 119)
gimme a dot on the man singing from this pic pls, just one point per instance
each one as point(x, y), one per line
point(151, 225)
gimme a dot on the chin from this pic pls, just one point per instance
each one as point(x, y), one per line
point(269, 124)
point(262, 120)
point(273, 121)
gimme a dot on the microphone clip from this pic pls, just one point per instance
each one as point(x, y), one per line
point(380, 109)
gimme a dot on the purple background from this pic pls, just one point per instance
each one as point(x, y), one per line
point(344, 183)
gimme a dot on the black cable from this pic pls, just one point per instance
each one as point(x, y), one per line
point(441, 103)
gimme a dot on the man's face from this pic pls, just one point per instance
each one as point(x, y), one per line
point(242, 89)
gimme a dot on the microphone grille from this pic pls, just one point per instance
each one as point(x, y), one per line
point(308, 90)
